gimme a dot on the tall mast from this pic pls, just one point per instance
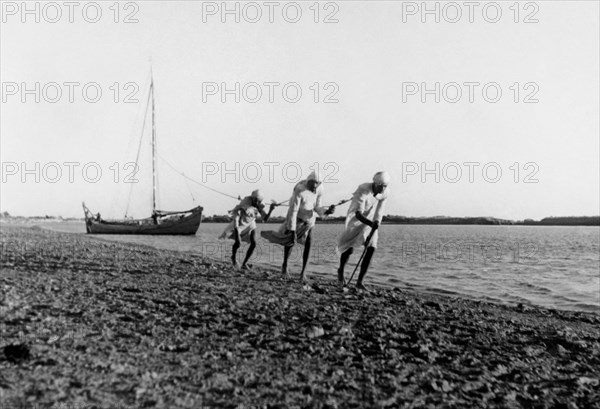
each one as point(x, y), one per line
point(153, 145)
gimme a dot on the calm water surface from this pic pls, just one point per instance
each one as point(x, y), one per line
point(556, 267)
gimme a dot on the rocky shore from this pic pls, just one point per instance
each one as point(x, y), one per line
point(87, 323)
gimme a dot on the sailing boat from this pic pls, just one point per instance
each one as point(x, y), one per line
point(160, 222)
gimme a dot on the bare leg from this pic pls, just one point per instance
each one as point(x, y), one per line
point(236, 246)
point(306, 255)
point(286, 255)
point(364, 266)
point(250, 249)
point(343, 260)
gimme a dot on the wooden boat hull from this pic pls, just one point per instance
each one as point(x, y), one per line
point(178, 225)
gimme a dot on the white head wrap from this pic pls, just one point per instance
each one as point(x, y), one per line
point(381, 178)
point(257, 195)
point(314, 175)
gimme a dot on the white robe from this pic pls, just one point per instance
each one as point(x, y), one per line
point(302, 214)
point(371, 207)
point(244, 219)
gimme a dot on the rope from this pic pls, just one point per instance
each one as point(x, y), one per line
point(198, 183)
point(116, 204)
point(190, 190)
point(137, 157)
point(280, 203)
point(341, 202)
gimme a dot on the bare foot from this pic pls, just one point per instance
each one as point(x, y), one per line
point(303, 278)
point(361, 287)
point(285, 275)
point(247, 267)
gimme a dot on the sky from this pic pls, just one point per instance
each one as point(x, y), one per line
point(476, 109)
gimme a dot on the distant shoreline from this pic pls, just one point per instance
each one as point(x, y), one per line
point(446, 220)
point(438, 220)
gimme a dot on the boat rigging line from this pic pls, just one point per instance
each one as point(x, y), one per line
point(195, 181)
point(137, 157)
point(341, 202)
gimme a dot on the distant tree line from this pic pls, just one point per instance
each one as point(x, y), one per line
point(445, 220)
point(564, 221)
point(393, 219)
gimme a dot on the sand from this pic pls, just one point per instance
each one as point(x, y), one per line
point(87, 323)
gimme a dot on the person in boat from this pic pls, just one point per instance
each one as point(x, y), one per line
point(243, 225)
point(362, 223)
point(305, 205)
point(98, 217)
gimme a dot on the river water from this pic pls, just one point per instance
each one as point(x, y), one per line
point(556, 267)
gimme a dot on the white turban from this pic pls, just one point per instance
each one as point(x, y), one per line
point(257, 195)
point(314, 175)
point(381, 178)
